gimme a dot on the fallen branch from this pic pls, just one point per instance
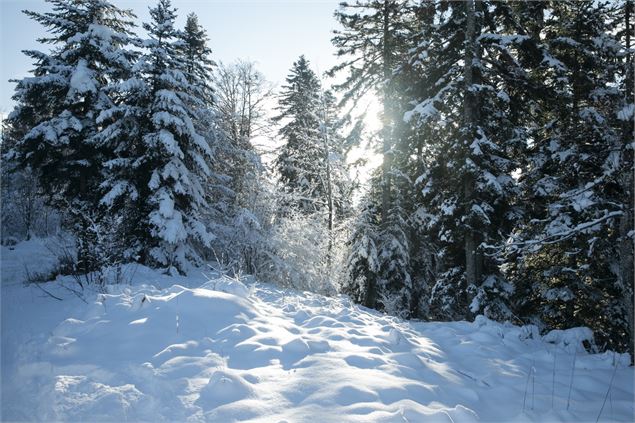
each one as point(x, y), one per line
point(46, 292)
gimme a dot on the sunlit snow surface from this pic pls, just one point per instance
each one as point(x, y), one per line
point(190, 349)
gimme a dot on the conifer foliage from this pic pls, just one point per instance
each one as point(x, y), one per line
point(178, 155)
point(577, 247)
point(55, 122)
point(513, 160)
point(120, 134)
point(299, 160)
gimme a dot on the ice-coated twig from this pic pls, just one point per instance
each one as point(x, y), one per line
point(571, 381)
point(608, 391)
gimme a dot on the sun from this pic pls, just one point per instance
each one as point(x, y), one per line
point(370, 107)
point(370, 104)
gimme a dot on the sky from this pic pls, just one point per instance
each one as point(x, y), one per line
point(273, 33)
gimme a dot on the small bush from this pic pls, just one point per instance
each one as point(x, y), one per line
point(10, 241)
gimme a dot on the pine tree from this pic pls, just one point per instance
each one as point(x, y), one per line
point(372, 44)
point(395, 284)
point(578, 181)
point(55, 120)
point(316, 189)
point(163, 159)
point(197, 64)
point(362, 263)
point(178, 155)
point(301, 158)
point(470, 95)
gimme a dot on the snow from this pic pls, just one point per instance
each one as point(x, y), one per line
point(215, 348)
point(503, 40)
point(551, 61)
point(569, 339)
point(82, 79)
point(482, 140)
point(626, 113)
point(166, 138)
point(426, 109)
point(116, 191)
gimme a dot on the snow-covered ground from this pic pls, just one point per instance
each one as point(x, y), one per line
point(177, 349)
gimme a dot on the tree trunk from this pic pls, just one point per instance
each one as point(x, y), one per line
point(625, 253)
point(625, 250)
point(329, 185)
point(471, 266)
point(370, 300)
point(387, 115)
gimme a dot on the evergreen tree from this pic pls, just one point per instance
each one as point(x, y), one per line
point(395, 284)
point(195, 52)
point(55, 120)
point(372, 43)
point(471, 94)
point(312, 162)
point(298, 162)
point(362, 263)
point(575, 255)
point(178, 155)
point(163, 160)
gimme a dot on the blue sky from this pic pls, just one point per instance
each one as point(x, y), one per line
point(271, 32)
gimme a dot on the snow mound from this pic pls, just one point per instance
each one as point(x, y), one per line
point(223, 388)
point(230, 286)
point(571, 340)
point(77, 397)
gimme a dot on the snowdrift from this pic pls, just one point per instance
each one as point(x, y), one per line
point(181, 349)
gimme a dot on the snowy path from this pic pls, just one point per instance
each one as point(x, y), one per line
point(226, 352)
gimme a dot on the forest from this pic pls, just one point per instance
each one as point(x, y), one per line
point(505, 187)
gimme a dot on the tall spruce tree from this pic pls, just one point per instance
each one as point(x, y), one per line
point(371, 44)
point(302, 161)
point(55, 120)
point(575, 254)
point(196, 54)
point(164, 159)
point(472, 89)
point(177, 153)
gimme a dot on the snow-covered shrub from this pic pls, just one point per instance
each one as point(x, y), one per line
point(23, 208)
point(297, 254)
point(573, 340)
point(448, 299)
point(9, 241)
point(492, 298)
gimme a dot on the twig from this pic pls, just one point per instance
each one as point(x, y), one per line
point(74, 292)
point(571, 381)
point(607, 392)
point(46, 292)
point(531, 369)
point(533, 385)
point(553, 378)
